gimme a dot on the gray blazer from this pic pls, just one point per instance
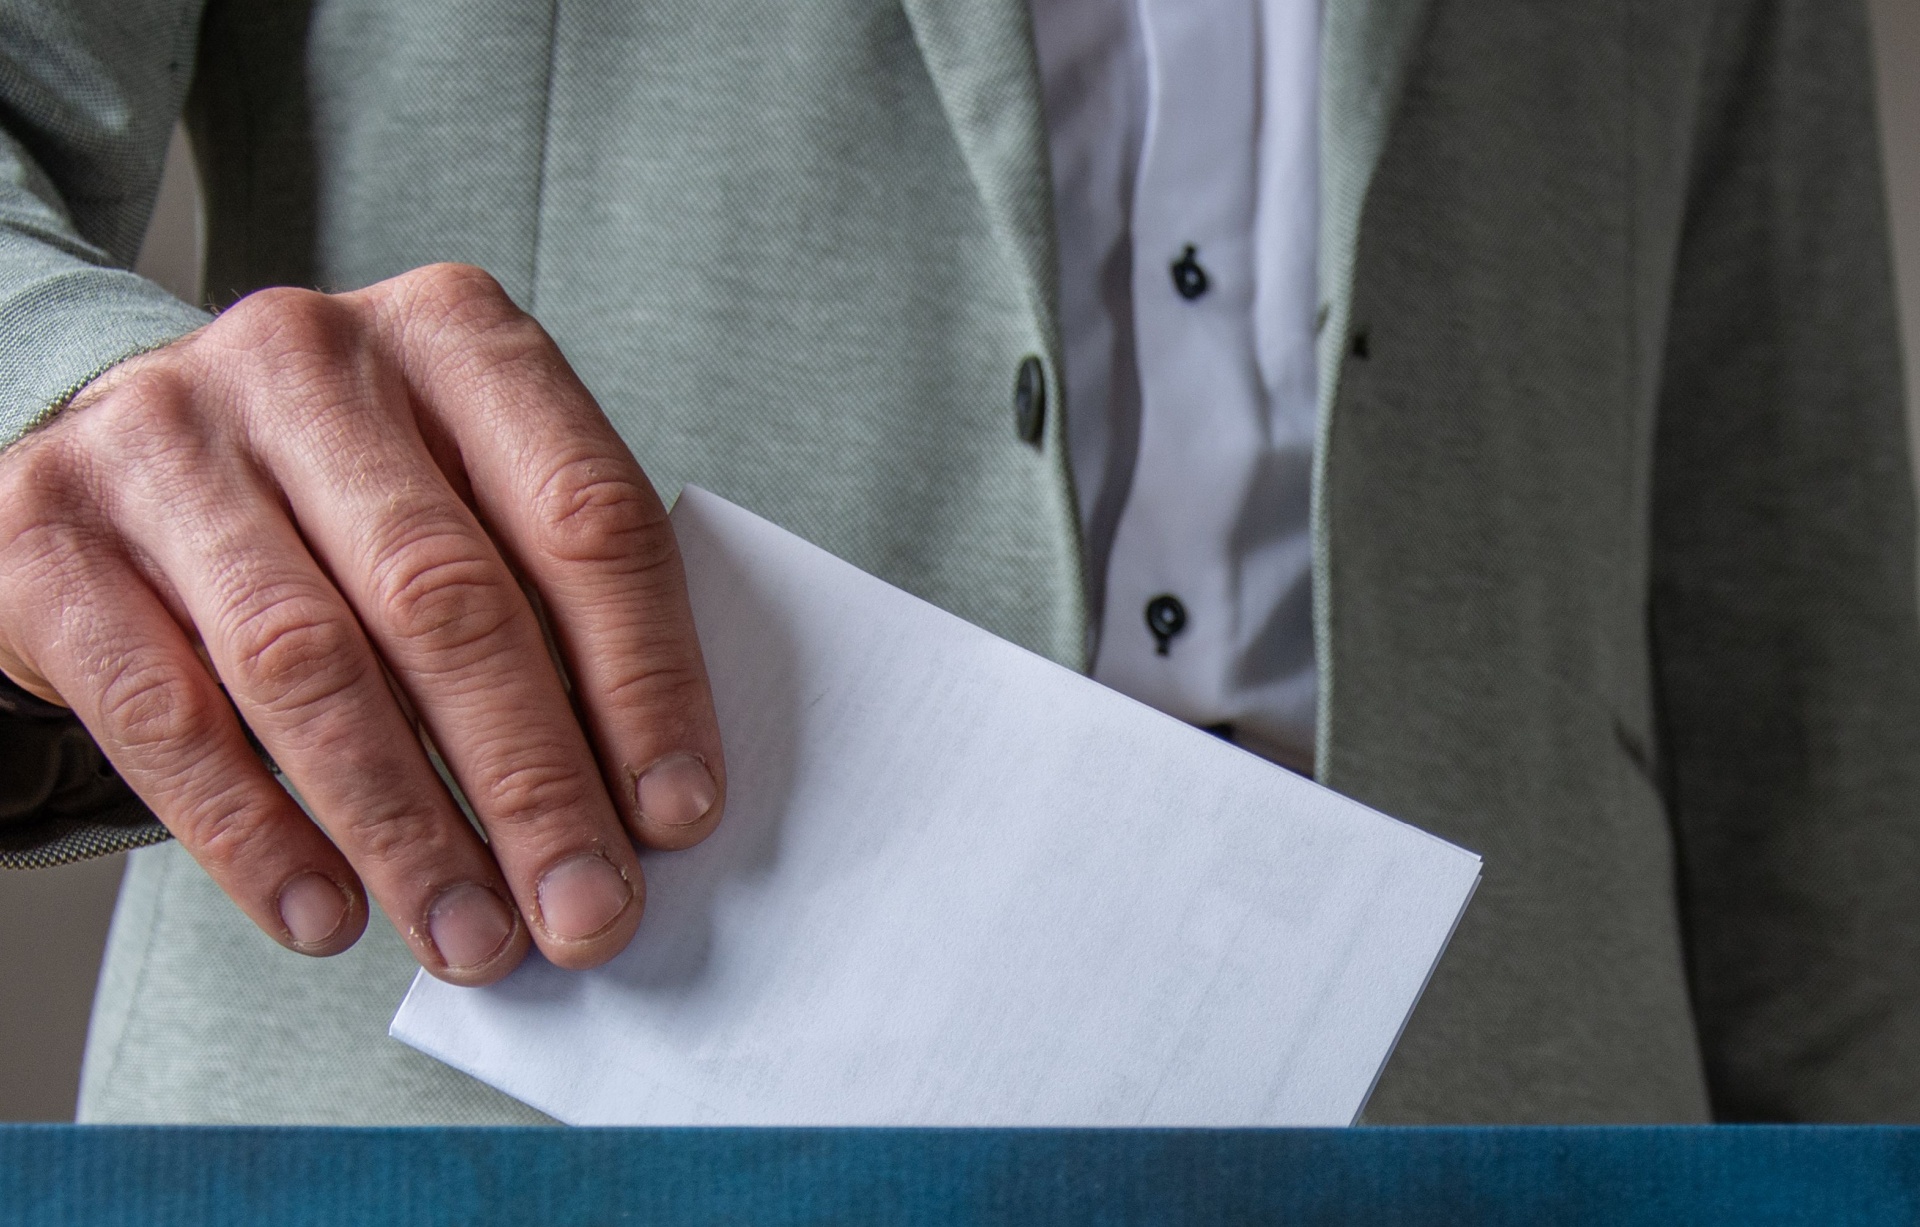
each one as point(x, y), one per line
point(1613, 523)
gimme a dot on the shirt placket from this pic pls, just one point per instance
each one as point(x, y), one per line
point(1169, 627)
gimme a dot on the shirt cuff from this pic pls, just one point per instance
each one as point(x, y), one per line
point(60, 799)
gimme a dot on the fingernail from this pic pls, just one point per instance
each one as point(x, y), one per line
point(312, 907)
point(468, 924)
point(581, 896)
point(677, 791)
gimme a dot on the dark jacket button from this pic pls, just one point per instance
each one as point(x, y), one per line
point(1189, 279)
point(1030, 400)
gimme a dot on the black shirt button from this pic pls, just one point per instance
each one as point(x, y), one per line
point(1030, 400)
point(1166, 617)
point(1188, 277)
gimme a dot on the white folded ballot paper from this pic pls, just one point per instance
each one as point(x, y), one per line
point(957, 884)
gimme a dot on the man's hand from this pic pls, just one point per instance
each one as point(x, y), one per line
point(314, 494)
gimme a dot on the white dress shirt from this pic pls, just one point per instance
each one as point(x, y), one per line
point(1185, 146)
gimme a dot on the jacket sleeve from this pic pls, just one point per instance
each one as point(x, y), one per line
point(60, 800)
point(89, 90)
point(1783, 597)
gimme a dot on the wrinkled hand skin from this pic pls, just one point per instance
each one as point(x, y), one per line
point(328, 504)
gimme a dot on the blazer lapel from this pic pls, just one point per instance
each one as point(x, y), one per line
point(1364, 49)
point(981, 58)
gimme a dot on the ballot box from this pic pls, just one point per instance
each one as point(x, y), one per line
point(157, 1177)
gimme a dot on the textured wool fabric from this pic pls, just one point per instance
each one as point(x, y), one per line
point(1613, 528)
point(201, 1017)
point(88, 92)
point(1622, 587)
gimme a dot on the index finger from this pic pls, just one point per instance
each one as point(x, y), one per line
point(575, 514)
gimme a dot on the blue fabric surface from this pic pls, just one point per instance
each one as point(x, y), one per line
point(1747, 1175)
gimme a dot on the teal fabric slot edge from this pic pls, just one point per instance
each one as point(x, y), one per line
point(1753, 1175)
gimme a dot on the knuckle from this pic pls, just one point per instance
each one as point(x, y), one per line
point(149, 425)
point(295, 337)
point(462, 297)
point(379, 835)
point(465, 306)
point(159, 377)
point(674, 688)
point(436, 590)
point(292, 651)
point(587, 510)
point(386, 810)
point(158, 710)
point(275, 317)
point(150, 417)
point(524, 789)
point(38, 490)
point(147, 409)
point(514, 350)
point(160, 390)
point(225, 829)
point(451, 281)
point(386, 825)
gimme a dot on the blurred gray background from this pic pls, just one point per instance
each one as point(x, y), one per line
point(53, 924)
